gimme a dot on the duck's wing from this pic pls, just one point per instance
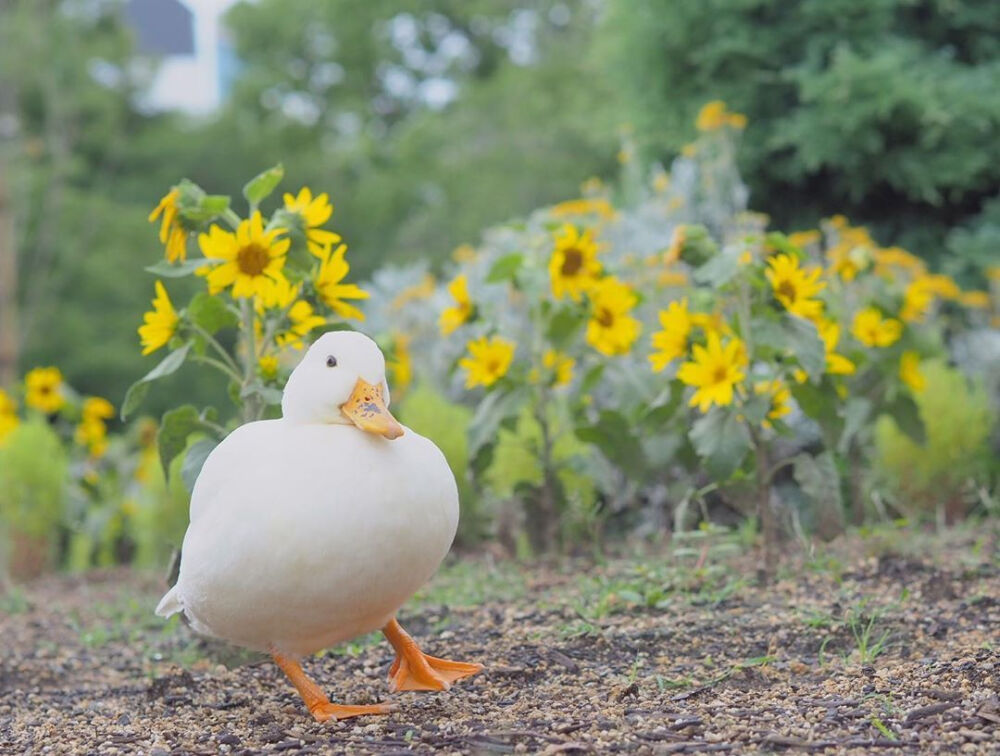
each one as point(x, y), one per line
point(246, 448)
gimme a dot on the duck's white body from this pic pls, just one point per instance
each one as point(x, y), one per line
point(306, 534)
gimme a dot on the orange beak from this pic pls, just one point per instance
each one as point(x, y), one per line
point(366, 409)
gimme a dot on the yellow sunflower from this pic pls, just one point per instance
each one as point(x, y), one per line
point(714, 115)
point(303, 320)
point(909, 371)
point(401, 364)
point(332, 291)
point(172, 234)
point(714, 371)
point(313, 212)
point(43, 387)
point(8, 416)
point(778, 393)
point(560, 365)
point(488, 361)
point(611, 329)
point(461, 311)
point(829, 333)
point(871, 329)
point(251, 259)
point(573, 267)
point(672, 341)
point(160, 324)
point(795, 287)
point(267, 366)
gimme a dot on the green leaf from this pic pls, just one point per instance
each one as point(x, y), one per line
point(269, 394)
point(215, 203)
point(175, 427)
point(907, 416)
point(791, 336)
point(505, 268)
point(138, 390)
point(721, 440)
point(591, 378)
point(720, 269)
point(820, 404)
point(194, 460)
point(806, 345)
point(260, 186)
point(493, 410)
point(210, 313)
point(562, 326)
point(819, 480)
point(613, 435)
point(856, 413)
point(164, 269)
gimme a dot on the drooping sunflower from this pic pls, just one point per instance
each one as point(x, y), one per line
point(611, 329)
point(313, 213)
point(909, 371)
point(794, 287)
point(173, 235)
point(160, 324)
point(488, 361)
point(332, 291)
point(452, 317)
point(573, 267)
point(303, 319)
point(43, 390)
point(250, 260)
point(871, 329)
point(714, 371)
point(671, 342)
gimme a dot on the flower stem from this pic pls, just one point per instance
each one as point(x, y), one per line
point(213, 342)
point(230, 217)
point(218, 365)
point(251, 403)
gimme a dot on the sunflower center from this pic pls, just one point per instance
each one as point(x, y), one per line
point(572, 261)
point(721, 374)
point(787, 289)
point(605, 317)
point(493, 366)
point(252, 259)
point(44, 390)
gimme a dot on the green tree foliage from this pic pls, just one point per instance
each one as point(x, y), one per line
point(886, 110)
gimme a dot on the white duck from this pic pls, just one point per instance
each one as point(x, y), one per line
point(315, 528)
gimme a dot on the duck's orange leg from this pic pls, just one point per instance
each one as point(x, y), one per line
point(315, 699)
point(415, 670)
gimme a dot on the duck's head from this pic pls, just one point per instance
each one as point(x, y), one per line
point(341, 380)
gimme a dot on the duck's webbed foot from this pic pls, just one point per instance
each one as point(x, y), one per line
point(415, 670)
point(315, 699)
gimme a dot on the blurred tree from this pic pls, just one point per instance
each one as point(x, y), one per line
point(426, 125)
point(886, 110)
point(78, 194)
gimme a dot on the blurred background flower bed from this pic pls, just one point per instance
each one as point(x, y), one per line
point(624, 309)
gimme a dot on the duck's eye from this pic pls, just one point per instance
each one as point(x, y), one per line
point(331, 361)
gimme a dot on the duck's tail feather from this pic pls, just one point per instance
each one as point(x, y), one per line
point(170, 603)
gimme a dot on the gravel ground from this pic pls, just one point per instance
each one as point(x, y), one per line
point(868, 645)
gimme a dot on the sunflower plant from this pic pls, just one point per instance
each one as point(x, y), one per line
point(269, 282)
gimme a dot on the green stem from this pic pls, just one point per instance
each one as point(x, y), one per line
point(218, 365)
point(211, 340)
point(251, 404)
point(230, 217)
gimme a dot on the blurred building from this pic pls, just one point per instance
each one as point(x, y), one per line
point(197, 62)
